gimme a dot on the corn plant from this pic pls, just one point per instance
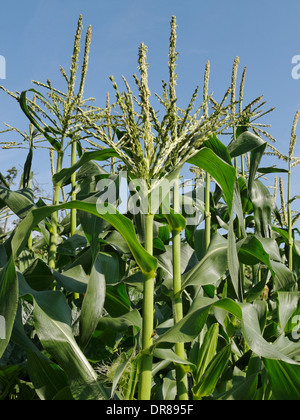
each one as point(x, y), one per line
point(145, 304)
point(61, 123)
point(5, 213)
point(177, 140)
point(287, 220)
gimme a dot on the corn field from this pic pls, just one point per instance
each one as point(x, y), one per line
point(167, 265)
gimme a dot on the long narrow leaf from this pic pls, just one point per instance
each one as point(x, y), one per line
point(92, 304)
point(212, 374)
point(25, 109)
point(221, 171)
point(285, 380)
point(233, 261)
point(212, 266)
point(146, 262)
point(254, 338)
point(48, 379)
point(65, 174)
point(8, 302)
point(52, 320)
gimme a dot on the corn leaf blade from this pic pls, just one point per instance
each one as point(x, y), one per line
point(9, 295)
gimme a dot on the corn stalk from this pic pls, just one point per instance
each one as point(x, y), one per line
point(61, 123)
point(150, 157)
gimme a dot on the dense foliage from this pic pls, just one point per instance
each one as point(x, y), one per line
point(194, 296)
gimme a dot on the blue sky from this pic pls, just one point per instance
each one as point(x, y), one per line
point(36, 38)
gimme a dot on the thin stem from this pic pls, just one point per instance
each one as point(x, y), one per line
point(181, 376)
point(109, 130)
point(30, 241)
point(73, 186)
point(290, 223)
point(54, 218)
point(289, 205)
point(73, 198)
point(242, 271)
point(207, 213)
point(243, 166)
point(144, 392)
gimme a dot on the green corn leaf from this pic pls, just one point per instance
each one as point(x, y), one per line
point(92, 305)
point(252, 252)
point(3, 181)
point(74, 280)
point(110, 266)
point(176, 222)
point(232, 254)
point(171, 356)
point(233, 261)
point(254, 339)
point(211, 267)
point(3, 256)
point(288, 304)
point(165, 260)
point(122, 323)
point(27, 167)
point(218, 148)
point(284, 278)
point(212, 374)
point(238, 208)
point(255, 159)
point(271, 170)
point(38, 275)
point(263, 203)
point(271, 247)
point(20, 202)
point(146, 262)
point(205, 351)
point(285, 236)
point(48, 378)
point(221, 171)
point(62, 177)
point(191, 325)
point(169, 387)
point(52, 320)
point(117, 302)
point(9, 295)
point(92, 226)
point(243, 391)
point(23, 103)
point(79, 148)
point(244, 143)
point(285, 380)
point(249, 142)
